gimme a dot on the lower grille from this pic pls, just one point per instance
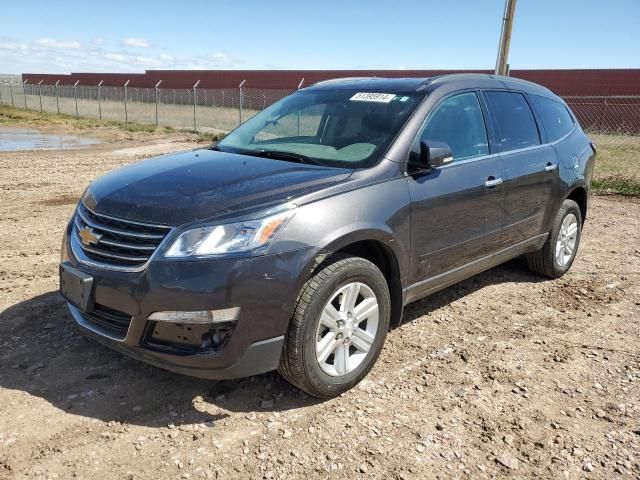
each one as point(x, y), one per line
point(115, 242)
point(112, 321)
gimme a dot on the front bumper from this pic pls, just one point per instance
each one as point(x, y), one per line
point(260, 357)
point(265, 288)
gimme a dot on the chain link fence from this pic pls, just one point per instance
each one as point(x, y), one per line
point(224, 109)
point(199, 109)
point(612, 121)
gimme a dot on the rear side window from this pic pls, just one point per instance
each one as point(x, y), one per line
point(515, 125)
point(458, 122)
point(555, 117)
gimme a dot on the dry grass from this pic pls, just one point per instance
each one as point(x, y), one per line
point(208, 119)
point(618, 164)
point(10, 116)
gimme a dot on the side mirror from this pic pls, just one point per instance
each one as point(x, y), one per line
point(432, 155)
point(435, 154)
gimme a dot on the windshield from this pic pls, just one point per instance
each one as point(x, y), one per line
point(339, 128)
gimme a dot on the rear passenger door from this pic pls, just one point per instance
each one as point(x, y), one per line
point(530, 167)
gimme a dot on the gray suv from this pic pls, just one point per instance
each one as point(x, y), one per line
point(295, 242)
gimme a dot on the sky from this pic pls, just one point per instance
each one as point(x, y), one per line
point(134, 35)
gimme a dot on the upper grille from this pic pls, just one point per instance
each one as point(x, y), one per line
point(121, 243)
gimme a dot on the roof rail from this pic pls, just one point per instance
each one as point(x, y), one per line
point(340, 79)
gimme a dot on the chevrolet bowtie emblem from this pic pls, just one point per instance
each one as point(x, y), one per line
point(88, 237)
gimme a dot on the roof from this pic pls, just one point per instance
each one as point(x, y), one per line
point(458, 80)
point(382, 84)
point(485, 80)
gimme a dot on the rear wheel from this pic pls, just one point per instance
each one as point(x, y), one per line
point(338, 327)
point(557, 255)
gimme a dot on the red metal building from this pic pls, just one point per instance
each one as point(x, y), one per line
point(601, 82)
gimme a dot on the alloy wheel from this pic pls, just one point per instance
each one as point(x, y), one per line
point(567, 239)
point(347, 329)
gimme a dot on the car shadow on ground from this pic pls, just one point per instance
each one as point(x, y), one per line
point(43, 354)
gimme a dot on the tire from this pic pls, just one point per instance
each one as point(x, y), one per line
point(548, 261)
point(309, 337)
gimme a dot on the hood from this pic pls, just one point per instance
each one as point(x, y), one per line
point(190, 186)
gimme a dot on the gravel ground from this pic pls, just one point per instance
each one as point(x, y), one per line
point(502, 375)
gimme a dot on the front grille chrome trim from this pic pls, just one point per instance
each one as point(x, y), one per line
point(117, 231)
point(125, 220)
point(134, 258)
point(113, 243)
point(124, 258)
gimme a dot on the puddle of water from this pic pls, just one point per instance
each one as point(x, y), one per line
point(14, 139)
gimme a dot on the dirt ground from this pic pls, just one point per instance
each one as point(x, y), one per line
point(502, 375)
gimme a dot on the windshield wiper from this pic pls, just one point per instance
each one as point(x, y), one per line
point(286, 156)
point(274, 154)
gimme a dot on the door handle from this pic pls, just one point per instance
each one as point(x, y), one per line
point(492, 182)
point(551, 167)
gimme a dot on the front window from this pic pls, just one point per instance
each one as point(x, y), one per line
point(339, 128)
point(458, 122)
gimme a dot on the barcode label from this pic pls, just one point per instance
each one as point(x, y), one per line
point(373, 97)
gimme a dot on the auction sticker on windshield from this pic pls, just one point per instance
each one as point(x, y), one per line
point(373, 97)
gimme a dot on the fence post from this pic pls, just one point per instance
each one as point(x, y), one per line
point(75, 95)
point(156, 87)
point(604, 112)
point(299, 86)
point(24, 92)
point(0, 94)
point(100, 99)
point(126, 114)
point(40, 94)
point(58, 96)
point(195, 101)
point(240, 101)
point(11, 93)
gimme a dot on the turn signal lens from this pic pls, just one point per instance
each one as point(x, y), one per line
point(199, 317)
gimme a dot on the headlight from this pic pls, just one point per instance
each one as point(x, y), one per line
point(232, 238)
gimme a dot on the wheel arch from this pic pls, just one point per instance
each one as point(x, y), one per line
point(580, 195)
point(381, 249)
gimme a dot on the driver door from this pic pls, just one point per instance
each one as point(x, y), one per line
point(456, 213)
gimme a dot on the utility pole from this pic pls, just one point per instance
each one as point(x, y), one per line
point(502, 65)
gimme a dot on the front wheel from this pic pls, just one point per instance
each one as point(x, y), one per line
point(559, 251)
point(338, 327)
